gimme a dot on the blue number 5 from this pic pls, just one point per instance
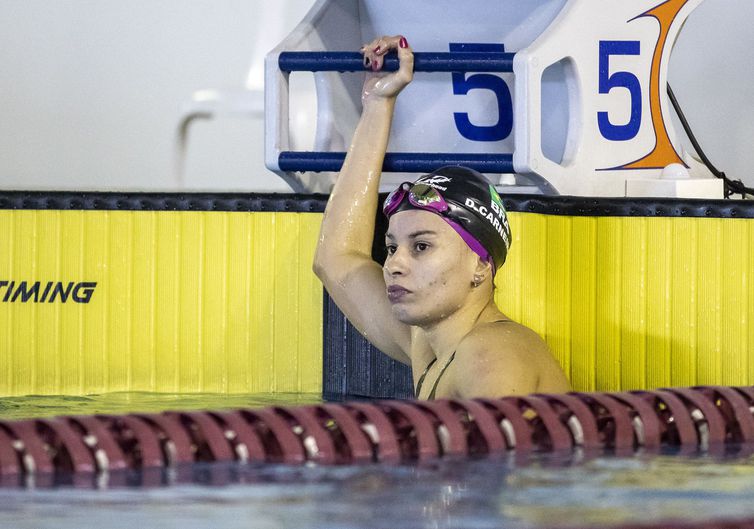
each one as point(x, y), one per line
point(462, 85)
point(619, 80)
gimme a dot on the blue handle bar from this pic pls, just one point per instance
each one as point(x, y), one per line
point(346, 61)
point(398, 162)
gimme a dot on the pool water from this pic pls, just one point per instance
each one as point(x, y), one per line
point(542, 490)
point(13, 408)
point(545, 491)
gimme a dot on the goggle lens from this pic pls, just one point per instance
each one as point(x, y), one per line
point(394, 199)
point(427, 197)
point(422, 196)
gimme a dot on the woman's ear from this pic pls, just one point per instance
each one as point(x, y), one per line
point(482, 271)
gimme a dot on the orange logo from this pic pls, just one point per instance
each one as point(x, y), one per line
point(663, 152)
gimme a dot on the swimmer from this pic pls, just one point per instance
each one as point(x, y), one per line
point(431, 304)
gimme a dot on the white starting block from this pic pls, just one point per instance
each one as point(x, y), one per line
point(561, 96)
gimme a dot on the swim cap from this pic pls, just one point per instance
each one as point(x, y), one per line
point(473, 205)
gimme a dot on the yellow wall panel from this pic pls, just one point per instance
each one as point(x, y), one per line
point(263, 286)
point(166, 320)
point(183, 302)
point(238, 327)
point(748, 336)
point(659, 297)
point(71, 262)
point(608, 317)
point(143, 306)
point(24, 254)
point(734, 301)
point(633, 323)
point(310, 324)
point(47, 330)
point(683, 281)
point(227, 302)
point(558, 272)
point(652, 302)
point(709, 332)
point(584, 302)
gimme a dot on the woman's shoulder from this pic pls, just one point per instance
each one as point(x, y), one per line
point(504, 344)
point(510, 349)
point(503, 335)
point(495, 359)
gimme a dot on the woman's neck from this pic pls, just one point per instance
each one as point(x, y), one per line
point(445, 335)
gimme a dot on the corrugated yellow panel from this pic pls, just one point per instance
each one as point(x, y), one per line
point(158, 301)
point(659, 302)
point(72, 359)
point(310, 324)
point(748, 338)
point(633, 309)
point(167, 308)
point(684, 284)
point(214, 304)
point(190, 273)
point(24, 255)
point(227, 302)
point(632, 302)
point(583, 304)
point(559, 288)
point(709, 260)
point(238, 308)
point(6, 318)
point(533, 281)
point(144, 336)
point(119, 297)
point(508, 280)
point(263, 285)
point(608, 309)
point(286, 303)
point(734, 300)
point(47, 333)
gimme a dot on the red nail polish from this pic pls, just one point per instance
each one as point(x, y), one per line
point(403, 43)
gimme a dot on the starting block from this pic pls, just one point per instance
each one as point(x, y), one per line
point(554, 96)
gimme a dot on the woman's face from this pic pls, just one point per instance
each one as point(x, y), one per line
point(429, 269)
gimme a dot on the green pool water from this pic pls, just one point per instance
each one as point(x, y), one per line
point(12, 408)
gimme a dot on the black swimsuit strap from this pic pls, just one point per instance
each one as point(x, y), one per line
point(421, 378)
point(442, 372)
point(437, 380)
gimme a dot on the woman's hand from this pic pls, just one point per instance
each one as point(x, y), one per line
point(389, 85)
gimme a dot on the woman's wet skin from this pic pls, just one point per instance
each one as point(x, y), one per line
point(433, 296)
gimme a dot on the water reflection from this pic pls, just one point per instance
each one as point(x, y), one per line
point(572, 490)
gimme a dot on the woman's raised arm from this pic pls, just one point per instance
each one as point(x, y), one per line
point(343, 259)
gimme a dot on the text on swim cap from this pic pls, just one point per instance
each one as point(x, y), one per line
point(496, 222)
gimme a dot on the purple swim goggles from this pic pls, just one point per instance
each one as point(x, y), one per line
point(425, 197)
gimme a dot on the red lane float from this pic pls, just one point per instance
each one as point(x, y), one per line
point(391, 432)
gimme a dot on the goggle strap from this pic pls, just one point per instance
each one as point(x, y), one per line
point(471, 242)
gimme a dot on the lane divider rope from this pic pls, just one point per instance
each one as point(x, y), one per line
point(700, 418)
